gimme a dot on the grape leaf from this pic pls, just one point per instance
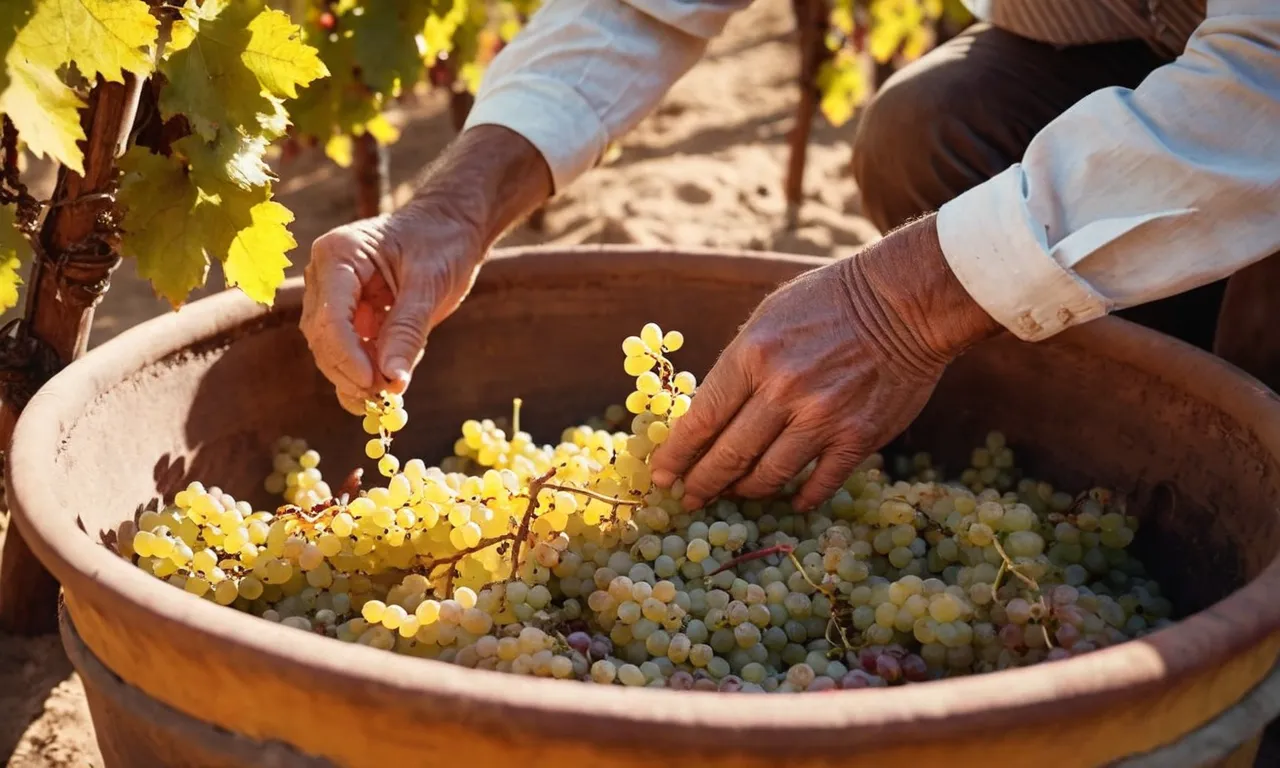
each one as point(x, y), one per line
point(102, 37)
point(385, 43)
point(234, 158)
point(45, 112)
point(182, 212)
point(256, 260)
point(844, 85)
point(438, 30)
point(162, 229)
point(13, 16)
point(339, 149)
point(274, 123)
point(278, 57)
point(208, 81)
point(338, 104)
point(237, 60)
point(14, 250)
point(382, 131)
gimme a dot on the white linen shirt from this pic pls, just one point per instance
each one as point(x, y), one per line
point(1128, 197)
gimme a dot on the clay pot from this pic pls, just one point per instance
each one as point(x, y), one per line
point(205, 392)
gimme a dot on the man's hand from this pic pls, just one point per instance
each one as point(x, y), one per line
point(832, 366)
point(376, 288)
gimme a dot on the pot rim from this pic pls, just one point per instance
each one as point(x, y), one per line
point(937, 710)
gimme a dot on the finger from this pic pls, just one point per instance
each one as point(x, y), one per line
point(404, 336)
point(735, 451)
point(331, 332)
point(723, 392)
point(834, 467)
point(780, 463)
point(351, 403)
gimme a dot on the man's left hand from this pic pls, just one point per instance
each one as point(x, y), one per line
point(832, 366)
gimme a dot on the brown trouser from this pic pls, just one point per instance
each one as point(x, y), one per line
point(968, 109)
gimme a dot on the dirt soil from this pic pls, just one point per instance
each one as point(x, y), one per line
point(705, 169)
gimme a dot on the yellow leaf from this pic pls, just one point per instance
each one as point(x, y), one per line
point(102, 37)
point(45, 112)
point(14, 249)
point(256, 261)
point(883, 41)
point(916, 44)
point(338, 148)
point(470, 74)
point(509, 29)
point(279, 58)
point(382, 131)
point(162, 228)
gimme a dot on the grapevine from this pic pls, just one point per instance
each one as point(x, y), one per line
point(566, 562)
point(847, 47)
point(161, 115)
point(379, 51)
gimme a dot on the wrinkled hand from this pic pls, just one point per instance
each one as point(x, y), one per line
point(832, 366)
point(376, 288)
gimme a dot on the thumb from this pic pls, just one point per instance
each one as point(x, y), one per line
point(403, 336)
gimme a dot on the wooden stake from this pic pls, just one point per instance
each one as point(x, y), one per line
point(80, 251)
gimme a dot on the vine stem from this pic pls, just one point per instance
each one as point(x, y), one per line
point(370, 164)
point(811, 21)
point(79, 251)
point(535, 487)
point(592, 495)
point(776, 549)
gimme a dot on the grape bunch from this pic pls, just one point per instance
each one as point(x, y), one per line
point(565, 561)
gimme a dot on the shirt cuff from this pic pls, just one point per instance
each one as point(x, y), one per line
point(1000, 254)
point(552, 116)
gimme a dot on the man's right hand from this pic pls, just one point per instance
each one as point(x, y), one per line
point(375, 288)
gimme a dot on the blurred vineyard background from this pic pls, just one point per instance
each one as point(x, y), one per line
point(750, 150)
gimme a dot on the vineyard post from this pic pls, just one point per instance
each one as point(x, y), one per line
point(371, 163)
point(811, 21)
point(76, 255)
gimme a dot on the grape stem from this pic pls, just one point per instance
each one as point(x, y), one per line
point(535, 487)
point(776, 549)
point(453, 559)
point(589, 494)
point(1007, 565)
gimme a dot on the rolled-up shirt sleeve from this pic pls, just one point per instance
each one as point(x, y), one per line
point(584, 72)
point(1134, 195)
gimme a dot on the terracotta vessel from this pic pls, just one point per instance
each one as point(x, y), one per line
point(203, 394)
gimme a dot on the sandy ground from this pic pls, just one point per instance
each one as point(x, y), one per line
point(705, 169)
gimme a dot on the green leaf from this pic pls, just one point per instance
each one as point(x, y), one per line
point(256, 261)
point(13, 16)
point(14, 250)
point(181, 213)
point(102, 37)
point(45, 112)
point(339, 104)
point(238, 59)
point(386, 48)
point(234, 158)
point(162, 228)
point(208, 80)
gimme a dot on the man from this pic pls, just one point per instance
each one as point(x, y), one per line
point(1059, 199)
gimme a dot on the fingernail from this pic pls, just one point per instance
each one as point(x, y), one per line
point(663, 478)
point(397, 369)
